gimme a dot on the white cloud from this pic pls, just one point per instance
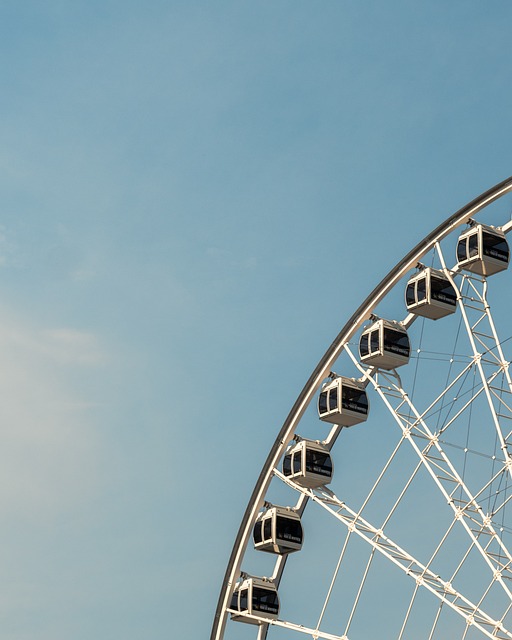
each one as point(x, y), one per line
point(48, 447)
point(7, 248)
point(83, 275)
point(230, 259)
point(69, 346)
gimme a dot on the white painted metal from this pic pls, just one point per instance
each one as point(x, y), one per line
point(418, 572)
point(468, 512)
point(488, 341)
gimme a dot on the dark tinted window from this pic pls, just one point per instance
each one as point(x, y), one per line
point(374, 341)
point(267, 529)
point(256, 532)
point(473, 245)
point(396, 342)
point(264, 600)
point(318, 462)
point(363, 345)
point(297, 461)
point(421, 289)
point(354, 399)
point(234, 601)
point(442, 290)
point(288, 529)
point(322, 403)
point(244, 599)
point(409, 294)
point(287, 465)
point(495, 247)
point(461, 250)
point(333, 399)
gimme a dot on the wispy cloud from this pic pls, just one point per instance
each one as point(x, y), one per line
point(7, 247)
point(48, 450)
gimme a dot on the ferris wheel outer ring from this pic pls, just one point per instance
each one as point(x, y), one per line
point(320, 372)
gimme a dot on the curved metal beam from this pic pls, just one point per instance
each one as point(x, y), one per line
point(320, 372)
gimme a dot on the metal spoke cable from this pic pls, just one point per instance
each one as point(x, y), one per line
point(333, 580)
point(412, 567)
point(359, 591)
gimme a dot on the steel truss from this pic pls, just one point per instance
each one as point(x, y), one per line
point(419, 572)
point(483, 531)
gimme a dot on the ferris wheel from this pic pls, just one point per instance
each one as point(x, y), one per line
point(408, 528)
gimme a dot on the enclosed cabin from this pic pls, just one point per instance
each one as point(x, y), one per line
point(308, 463)
point(385, 344)
point(343, 401)
point(483, 250)
point(257, 597)
point(430, 294)
point(278, 530)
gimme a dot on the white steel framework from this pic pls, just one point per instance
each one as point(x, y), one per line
point(462, 558)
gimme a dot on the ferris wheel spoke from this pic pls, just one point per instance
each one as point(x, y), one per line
point(454, 451)
point(420, 573)
point(360, 590)
point(481, 331)
point(436, 620)
point(333, 579)
point(466, 509)
point(291, 626)
point(408, 613)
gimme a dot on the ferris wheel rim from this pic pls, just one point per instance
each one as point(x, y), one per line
point(361, 315)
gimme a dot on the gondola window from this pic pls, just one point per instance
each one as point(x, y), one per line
point(396, 342)
point(355, 400)
point(265, 600)
point(333, 399)
point(442, 291)
point(288, 529)
point(495, 247)
point(318, 462)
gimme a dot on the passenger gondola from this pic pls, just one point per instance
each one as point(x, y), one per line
point(483, 250)
point(343, 401)
point(308, 463)
point(385, 344)
point(430, 294)
point(254, 596)
point(278, 530)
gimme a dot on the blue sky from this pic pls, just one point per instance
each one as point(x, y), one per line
point(195, 197)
